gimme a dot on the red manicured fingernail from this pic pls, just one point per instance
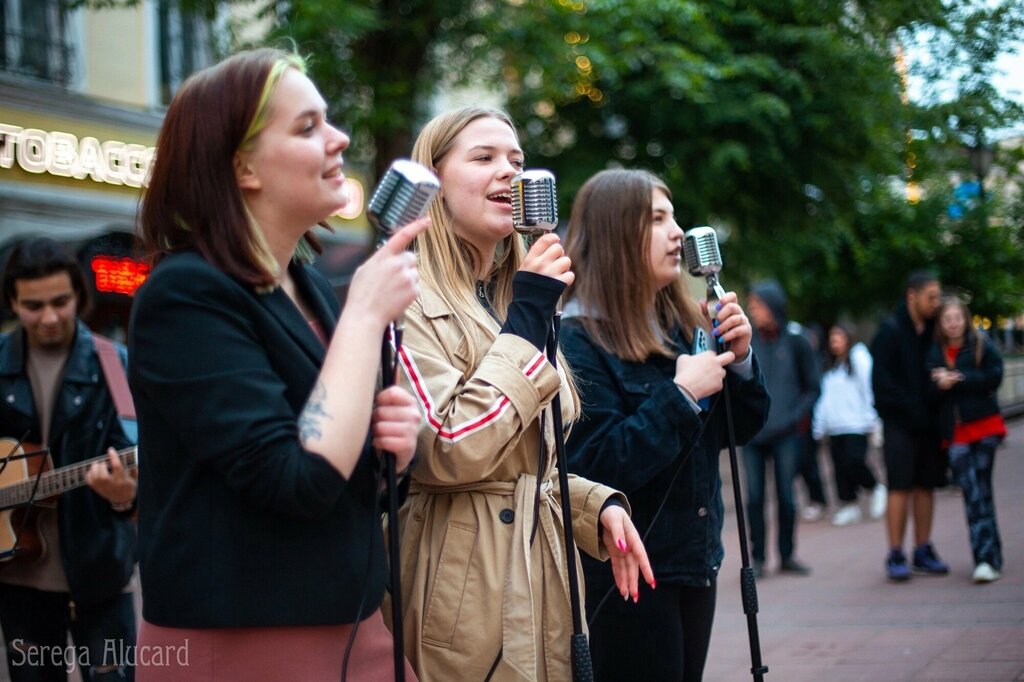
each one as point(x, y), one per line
point(636, 598)
point(622, 545)
point(654, 584)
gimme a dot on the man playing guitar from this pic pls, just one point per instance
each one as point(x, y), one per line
point(54, 392)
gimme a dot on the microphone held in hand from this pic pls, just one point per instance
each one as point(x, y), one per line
point(402, 195)
point(534, 202)
point(703, 259)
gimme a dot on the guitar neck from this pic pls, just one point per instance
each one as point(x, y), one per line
point(57, 481)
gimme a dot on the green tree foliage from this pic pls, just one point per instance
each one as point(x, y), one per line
point(782, 122)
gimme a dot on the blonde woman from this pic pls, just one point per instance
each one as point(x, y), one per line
point(483, 561)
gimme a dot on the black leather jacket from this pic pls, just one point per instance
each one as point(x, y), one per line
point(636, 430)
point(97, 544)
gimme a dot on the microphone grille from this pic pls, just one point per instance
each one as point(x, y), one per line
point(700, 247)
point(402, 195)
point(534, 202)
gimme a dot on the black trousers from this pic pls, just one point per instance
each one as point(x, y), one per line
point(664, 637)
point(849, 459)
point(36, 626)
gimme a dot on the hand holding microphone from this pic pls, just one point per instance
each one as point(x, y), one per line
point(704, 259)
point(395, 209)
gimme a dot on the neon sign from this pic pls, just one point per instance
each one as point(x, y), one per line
point(65, 155)
point(118, 275)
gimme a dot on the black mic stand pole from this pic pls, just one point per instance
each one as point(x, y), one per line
point(389, 366)
point(582, 669)
point(748, 585)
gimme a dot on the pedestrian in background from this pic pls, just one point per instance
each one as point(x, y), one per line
point(261, 543)
point(845, 413)
point(653, 419)
point(791, 372)
point(966, 369)
point(914, 464)
point(58, 393)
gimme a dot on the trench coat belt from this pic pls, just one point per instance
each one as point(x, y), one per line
point(519, 614)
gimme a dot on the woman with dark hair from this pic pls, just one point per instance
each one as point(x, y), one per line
point(652, 422)
point(966, 369)
point(845, 412)
point(259, 522)
point(484, 579)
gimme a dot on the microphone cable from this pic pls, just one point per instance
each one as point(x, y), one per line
point(395, 333)
point(664, 500)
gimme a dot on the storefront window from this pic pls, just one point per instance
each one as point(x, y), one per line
point(184, 46)
point(33, 40)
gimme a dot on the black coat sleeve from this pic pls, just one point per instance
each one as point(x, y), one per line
point(201, 364)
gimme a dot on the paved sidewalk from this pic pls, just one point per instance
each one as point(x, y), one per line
point(846, 622)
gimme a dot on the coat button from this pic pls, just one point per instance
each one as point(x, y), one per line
point(507, 516)
point(77, 400)
point(702, 512)
point(10, 398)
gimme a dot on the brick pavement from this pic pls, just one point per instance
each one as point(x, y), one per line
point(846, 622)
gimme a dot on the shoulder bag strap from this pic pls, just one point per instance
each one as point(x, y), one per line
point(117, 380)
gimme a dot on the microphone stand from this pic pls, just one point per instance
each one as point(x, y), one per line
point(389, 366)
point(748, 585)
point(582, 668)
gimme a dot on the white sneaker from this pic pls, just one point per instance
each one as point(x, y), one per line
point(812, 513)
point(879, 501)
point(847, 514)
point(984, 573)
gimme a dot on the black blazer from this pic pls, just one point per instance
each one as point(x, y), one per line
point(238, 525)
point(635, 431)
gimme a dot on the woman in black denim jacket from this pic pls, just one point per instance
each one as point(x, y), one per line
point(653, 422)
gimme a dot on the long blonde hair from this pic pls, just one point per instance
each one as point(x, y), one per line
point(447, 262)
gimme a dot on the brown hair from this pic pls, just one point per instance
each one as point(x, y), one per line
point(971, 336)
point(608, 241)
point(193, 200)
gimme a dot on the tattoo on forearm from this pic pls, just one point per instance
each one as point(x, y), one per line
point(313, 414)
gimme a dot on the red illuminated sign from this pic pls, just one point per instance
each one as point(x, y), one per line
point(118, 275)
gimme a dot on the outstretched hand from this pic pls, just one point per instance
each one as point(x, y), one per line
point(628, 555)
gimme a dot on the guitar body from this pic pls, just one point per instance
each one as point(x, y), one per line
point(19, 530)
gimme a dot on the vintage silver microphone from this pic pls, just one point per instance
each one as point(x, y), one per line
point(703, 259)
point(534, 202)
point(534, 213)
point(401, 196)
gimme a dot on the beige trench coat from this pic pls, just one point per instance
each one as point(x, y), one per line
point(473, 584)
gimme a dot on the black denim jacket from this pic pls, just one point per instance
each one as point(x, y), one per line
point(637, 430)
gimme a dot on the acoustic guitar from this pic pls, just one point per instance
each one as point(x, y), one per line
point(22, 483)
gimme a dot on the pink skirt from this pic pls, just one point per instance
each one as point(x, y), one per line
point(271, 654)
